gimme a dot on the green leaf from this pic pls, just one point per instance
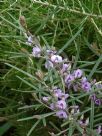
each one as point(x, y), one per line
point(32, 128)
point(92, 115)
point(4, 128)
point(70, 41)
point(95, 67)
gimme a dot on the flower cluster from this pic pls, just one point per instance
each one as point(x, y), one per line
point(74, 80)
point(57, 102)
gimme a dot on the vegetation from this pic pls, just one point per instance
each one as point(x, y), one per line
point(74, 29)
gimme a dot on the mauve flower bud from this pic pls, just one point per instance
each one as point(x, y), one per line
point(99, 129)
point(83, 123)
point(65, 67)
point(46, 99)
point(61, 114)
point(56, 59)
point(84, 79)
point(98, 102)
point(61, 104)
point(86, 86)
point(36, 51)
point(51, 52)
point(63, 96)
point(98, 85)
point(29, 41)
point(52, 106)
point(78, 73)
point(69, 78)
point(48, 64)
point(93, 97)
point(57, 92)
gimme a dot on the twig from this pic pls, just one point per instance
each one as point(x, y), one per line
point(98, 30)
point(67, 9)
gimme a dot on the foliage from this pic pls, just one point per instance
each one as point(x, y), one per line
point(74, 28)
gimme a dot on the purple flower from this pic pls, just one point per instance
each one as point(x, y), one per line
point(61, 104)
point(93, 97)
point(98, 102)
point(56, 59)
point(48, 64)
point(78, 73)
point(30, 40)
point(98, 85)
point(46, 99)
point(86, 86)
point(61, 114)
point(36, 51)
point(57, 92)
point(65, 67)
point(52, 106)
point(83, 122)
point(99, 129)
point(63, 96)
point(84, 79)
point(69, 78)
point(51, 52)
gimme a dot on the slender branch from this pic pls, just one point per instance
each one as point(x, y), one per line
point(98, 30)
point(67, 9)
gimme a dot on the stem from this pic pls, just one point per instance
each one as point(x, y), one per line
point(67, 9)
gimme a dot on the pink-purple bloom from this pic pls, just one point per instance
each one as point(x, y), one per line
point(36, 51)
point(60, 94)
point(52, 106)
point(62, 114)
point(48, 64)
point(61, 104)
point(69, 78)
point(51, 52)
point(84, 79)
point(56, 59)
point(78, 73)
point(86, 86)
point(98, 102)
point(98, 85)
point(63, 96)
point(83, 122)
point(46, 99)
point(57, 92)
point(93, 97)
point(99, 129)
point(65, 67)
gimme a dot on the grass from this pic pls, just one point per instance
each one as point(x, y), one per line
point(73, 28)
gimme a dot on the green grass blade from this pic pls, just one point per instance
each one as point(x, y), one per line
point(4, 128)
point(95, 67)
point(32, 128)
point(70, 41)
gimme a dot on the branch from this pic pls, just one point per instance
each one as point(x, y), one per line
point(67, 9)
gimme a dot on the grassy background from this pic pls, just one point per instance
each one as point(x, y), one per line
point(56, 26)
